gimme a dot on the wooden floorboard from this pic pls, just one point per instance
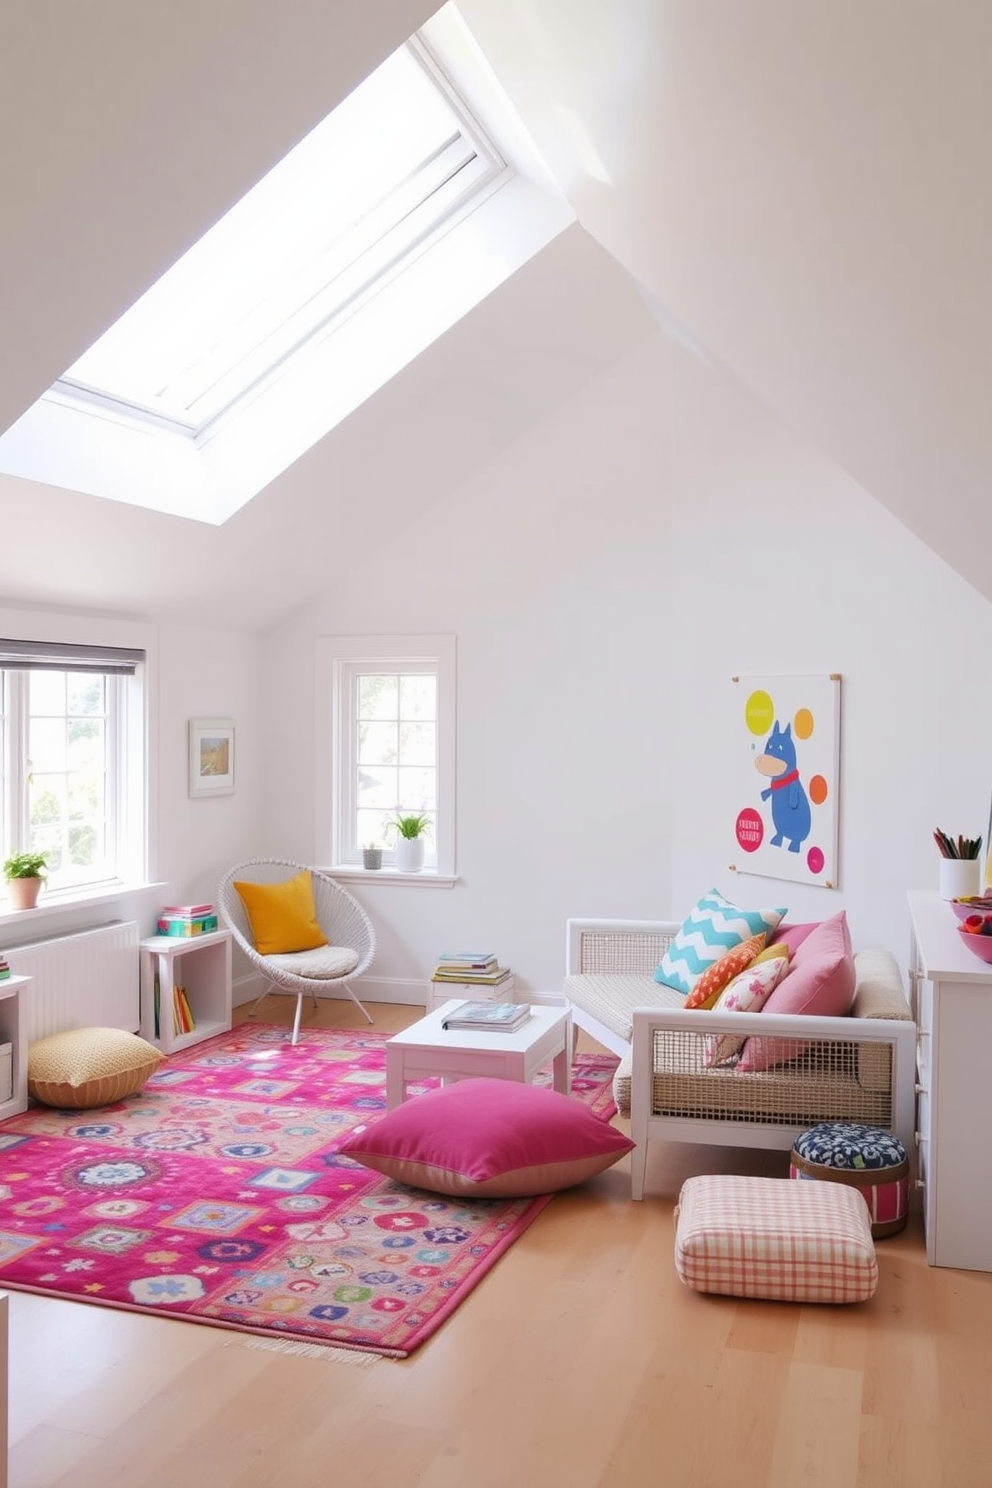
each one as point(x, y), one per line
point(580, 1361)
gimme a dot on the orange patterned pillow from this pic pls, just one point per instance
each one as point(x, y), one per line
point(712, 982)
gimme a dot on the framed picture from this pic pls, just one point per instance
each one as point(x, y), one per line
point(211, 756)
point(785, 771)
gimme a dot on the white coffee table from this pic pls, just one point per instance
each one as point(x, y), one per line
point(426, 1048)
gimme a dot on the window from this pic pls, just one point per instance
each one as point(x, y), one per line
point(73, 747)
point(385, 744)
point(393, 218)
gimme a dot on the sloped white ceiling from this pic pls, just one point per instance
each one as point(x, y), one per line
point(807, 189)
point(804, 187)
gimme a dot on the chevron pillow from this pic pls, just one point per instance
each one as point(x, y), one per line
point(712, 927)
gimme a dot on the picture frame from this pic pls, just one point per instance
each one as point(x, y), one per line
point(211, 756)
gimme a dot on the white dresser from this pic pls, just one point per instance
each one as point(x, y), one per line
point(951, 992)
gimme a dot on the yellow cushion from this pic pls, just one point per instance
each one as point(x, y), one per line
point(85, 1067)
point(772, 953)
point(282, 915)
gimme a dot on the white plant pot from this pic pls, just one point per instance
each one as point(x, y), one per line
point(409, 854)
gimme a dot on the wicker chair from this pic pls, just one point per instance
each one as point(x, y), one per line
point(350, 936)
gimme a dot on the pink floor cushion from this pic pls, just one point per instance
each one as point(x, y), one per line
point(771, 1238)
point(489, 1138)
point(868, 1159)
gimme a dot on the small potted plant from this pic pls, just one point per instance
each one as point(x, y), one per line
point(410, 842)
point(25, 876)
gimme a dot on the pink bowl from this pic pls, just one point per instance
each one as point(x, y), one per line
point(979, 945)
point(976, 905)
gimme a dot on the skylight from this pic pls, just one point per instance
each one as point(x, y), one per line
point(392, 164)
point(413, 200)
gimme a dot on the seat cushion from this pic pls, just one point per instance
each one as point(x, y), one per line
point(612, 999)
point(282, 915)
point(767, 1237)
point(489, 1138)
point(86, 1067)
point(325, 961)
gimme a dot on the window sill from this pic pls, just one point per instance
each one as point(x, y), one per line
point(52, 908)
point(427, 878)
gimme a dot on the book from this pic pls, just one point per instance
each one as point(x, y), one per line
point(169, 925)
point(503, 1017)
point(187, 911)
point(480, 959)
point(472, 978)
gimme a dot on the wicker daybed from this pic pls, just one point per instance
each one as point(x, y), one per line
point(857, 1068)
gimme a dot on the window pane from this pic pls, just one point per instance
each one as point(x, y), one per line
point(377, 788)
point(417, 791)
point(418, 743)
point(47, 693)
point(378, 697)
point(46, 744)
point(418, 697)
point(377, 743)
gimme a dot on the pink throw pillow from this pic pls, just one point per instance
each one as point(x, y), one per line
point(489, 1138)
point(793, 935)
point(747, 993)
point(820, 982)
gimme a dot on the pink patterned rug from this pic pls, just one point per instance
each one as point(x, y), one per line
point(216, 1194)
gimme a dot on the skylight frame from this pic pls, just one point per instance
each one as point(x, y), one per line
point(458, 178)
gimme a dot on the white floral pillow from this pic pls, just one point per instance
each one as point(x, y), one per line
point(747, 993)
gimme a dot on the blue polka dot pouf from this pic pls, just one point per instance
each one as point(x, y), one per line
point(867, 1157)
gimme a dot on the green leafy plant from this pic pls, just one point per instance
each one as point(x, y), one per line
point(411, 826)
point(25, 865)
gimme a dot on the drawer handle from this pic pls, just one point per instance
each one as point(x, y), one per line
point(918, 1138)
point(921, 1183)
point(921, 1090)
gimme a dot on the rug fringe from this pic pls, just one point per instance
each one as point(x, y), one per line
point(359, 1357)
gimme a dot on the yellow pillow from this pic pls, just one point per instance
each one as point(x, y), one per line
point(282, 915)
point(86, 1067)
point(772, 952)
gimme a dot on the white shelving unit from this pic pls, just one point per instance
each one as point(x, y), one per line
point(13, 1031)
point(201, 964)
point(952, 1005)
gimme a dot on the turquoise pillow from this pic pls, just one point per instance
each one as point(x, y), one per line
point(712, 928)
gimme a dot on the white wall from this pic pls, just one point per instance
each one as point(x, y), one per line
point(550, 570)
point(605, 578)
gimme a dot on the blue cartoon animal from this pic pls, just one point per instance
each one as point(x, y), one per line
point(790, 804)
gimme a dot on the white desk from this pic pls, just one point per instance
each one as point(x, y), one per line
point(426, 1048)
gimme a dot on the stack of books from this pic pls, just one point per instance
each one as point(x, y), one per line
point(182, 1014)
point(187, 919)
point(478, 968)
point(499, 1017)
point(4, 968)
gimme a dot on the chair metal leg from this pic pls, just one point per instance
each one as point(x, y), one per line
point(368, 1016)
point(296, 1020)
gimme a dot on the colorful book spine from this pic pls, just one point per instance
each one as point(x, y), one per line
point(178, 925)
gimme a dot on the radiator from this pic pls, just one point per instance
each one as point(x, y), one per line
point(87, 980)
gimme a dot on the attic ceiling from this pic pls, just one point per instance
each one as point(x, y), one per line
point(804, 189)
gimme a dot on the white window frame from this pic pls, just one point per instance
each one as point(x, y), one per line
point(130, 749)
point(338, 658)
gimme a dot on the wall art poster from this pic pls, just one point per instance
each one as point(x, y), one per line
point(786, 748)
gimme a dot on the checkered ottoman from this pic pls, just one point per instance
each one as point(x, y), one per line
point(865, 1157)
point(768, 1237)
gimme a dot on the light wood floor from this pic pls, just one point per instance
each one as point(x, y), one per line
point(580, 1361)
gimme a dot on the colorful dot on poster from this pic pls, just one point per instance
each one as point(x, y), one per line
point(750, 830)
point(802, 724)
point(759, 712)
point(815, 860)
point(817, 790)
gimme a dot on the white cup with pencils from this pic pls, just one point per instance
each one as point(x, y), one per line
point(960, 865)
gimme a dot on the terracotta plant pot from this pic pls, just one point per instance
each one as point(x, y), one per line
point(24, 892)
